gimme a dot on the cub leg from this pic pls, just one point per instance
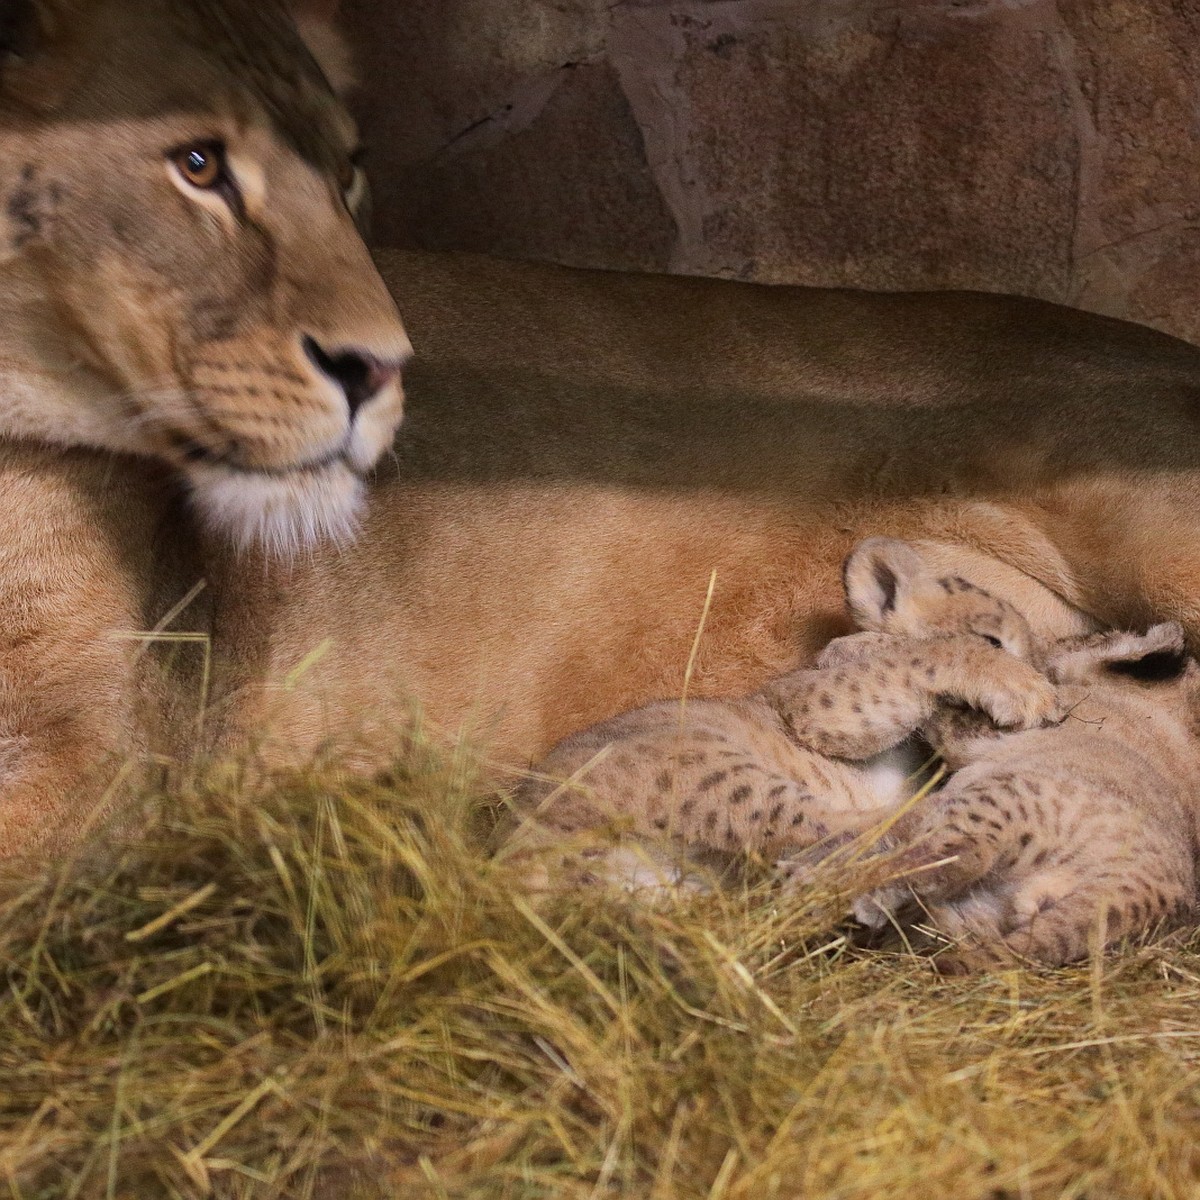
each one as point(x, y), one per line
point(982, 824)
point(1043, 923)
point(860, 708)
point(747, 804)
point(729, 778)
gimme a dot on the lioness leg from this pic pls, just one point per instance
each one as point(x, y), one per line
point(77, 697)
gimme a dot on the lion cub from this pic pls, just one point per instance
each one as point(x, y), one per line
point(789, 765)
point(1046, 840)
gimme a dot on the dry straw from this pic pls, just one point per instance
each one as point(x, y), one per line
point(316, 987)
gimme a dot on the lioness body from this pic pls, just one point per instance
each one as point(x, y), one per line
point(581, 455)
point(581, 452)
point(539, 555)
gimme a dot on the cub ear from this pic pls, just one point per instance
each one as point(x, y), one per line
point(316, 21)
point(19, 29)
point(1157, 656)
point(882, 577)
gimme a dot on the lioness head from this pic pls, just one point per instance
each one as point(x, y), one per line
point(181, 275)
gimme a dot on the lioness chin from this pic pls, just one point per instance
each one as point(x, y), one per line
point(199, 363)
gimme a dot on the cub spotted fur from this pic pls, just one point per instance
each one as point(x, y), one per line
point(1070, 817)
point(1047, 840)
point(783, 768)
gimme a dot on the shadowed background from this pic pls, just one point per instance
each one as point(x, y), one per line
point(1045, 148)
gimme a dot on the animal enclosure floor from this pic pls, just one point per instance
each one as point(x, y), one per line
point(313, 987)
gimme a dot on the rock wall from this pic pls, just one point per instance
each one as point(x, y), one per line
point(1047, 147)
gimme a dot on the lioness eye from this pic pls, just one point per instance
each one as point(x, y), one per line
point(993, 641)
point(351, 179)
point(202, 165)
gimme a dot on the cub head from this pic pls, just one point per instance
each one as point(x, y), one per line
point(181, 273)
point(890, 589)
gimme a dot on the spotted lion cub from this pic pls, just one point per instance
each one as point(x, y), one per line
point(787, 766)
point(1047, 840)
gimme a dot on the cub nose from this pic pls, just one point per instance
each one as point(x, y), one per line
point(360, 375)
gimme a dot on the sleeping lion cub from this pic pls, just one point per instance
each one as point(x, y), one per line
point(789, 764)
point(1070, 814)
point(1047, 840)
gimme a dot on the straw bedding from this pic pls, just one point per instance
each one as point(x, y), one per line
point(308, 986)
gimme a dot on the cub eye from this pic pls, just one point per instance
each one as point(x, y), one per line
point(993, 641)
point(201, 164)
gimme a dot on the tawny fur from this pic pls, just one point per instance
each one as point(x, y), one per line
point(784, 768)
point(1047, 842)
point(582, 450)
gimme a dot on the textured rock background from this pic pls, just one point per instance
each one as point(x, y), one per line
point(1047, 147)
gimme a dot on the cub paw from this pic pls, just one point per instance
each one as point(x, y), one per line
point(1018, 697)
point(802, 867)
point(854, 647)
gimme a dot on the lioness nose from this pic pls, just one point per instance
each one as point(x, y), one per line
point(360, 375)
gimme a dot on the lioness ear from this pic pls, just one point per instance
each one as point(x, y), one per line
point(315, 19)
point(882, 578)
point(1156, 656)
point(29, 29)
point(19, 29)
point(27, 26)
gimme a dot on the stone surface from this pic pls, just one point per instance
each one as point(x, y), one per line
point(546, 189)
point(1137, 67)
point(897, 150)
point(1047, 147)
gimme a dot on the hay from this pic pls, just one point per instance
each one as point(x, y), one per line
point(317, 987)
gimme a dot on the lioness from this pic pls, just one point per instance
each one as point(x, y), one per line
point(198, 363)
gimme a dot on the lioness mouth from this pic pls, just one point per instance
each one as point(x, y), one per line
point(193, 452)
